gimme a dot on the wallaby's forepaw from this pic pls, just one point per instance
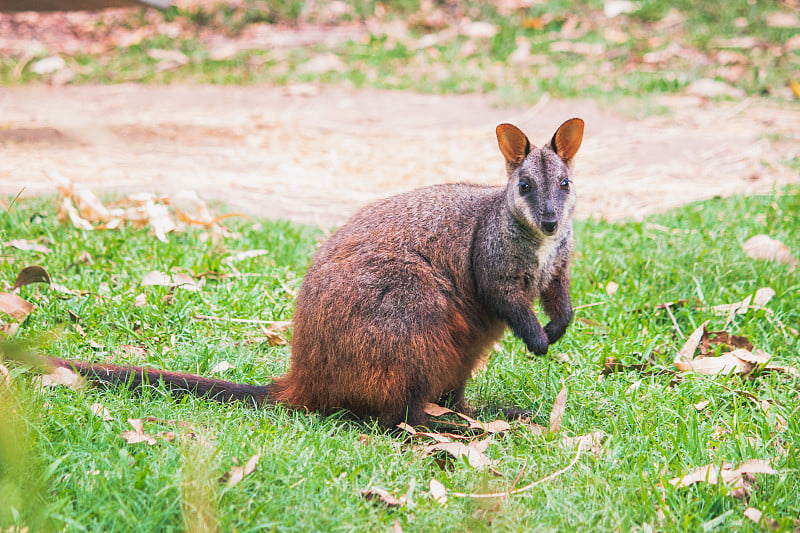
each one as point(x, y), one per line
point(554, 331)
point(538, 345)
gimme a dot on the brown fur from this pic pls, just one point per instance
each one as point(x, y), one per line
point(400, 304)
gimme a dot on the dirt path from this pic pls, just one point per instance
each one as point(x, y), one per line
point(315, 155)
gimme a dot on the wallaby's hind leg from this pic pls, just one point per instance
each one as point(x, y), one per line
point(414, 416)
point(454, 399)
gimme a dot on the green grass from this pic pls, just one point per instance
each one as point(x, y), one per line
point(459, 63)
point(61, 468)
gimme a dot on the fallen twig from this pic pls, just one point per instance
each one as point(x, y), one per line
point(526, 487)
point(240, 320)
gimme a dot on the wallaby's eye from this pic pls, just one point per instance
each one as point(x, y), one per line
point(524, 187)
point(565, 184)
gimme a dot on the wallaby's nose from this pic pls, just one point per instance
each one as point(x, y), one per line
point(549, 225)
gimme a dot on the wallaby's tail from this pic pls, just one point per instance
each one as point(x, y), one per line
point(135, 377)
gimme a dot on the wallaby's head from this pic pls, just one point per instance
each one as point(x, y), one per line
point(539, 191)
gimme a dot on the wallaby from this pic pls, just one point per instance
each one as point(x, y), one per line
point(400, 304)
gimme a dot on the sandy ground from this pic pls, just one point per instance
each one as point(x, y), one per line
point(316, 154)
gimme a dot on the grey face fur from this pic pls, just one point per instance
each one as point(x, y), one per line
point(540, 192)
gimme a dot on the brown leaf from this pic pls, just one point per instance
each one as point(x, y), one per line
point(709, 366)
point(475, 458)
point(60, 376)
point(792, 371)
point(739, 479)
point(702, 405)
point(757, 300)
point(138, 435)
point(28, 246)
point(31, 274)
point(496, 426)
point(557, 413)
point(100, 411)
point(237, 473)
point(5, 375)
point(769, 249)
point(221, 367)
point(538, 430)
point(379, 494)
point(68, 211)
point(591, 441)
point(137, 352)
point(159, 219)
point(764, 521)
point(432, 409)
point(726, 339)
point(686, 353)
point(612, 288)
point(438, 492)
point(273, 332)
point(185, 281)
point(756, 357)
point(782, 19)
point(156, 278)
point(13, 305)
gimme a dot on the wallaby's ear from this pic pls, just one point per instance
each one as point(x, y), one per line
point(513, 144)
point(568, 139)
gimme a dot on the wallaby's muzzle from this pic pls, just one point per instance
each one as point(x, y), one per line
point(549, 226)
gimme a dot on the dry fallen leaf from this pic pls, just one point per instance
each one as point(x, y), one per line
point(156, 278)
point(28, 246)
point(475, 456)
point(686, 353)
point(591, 441)
point(68, 211)
point(31, 274)
point(382, 495)
point(612, 288)
point(432, 409)
point(179, 280)
point(769, 249)
point(5, 375)
point(237, 473)
point(496, 426)
point(138, 435)
point(100, 411)
point(13, 305)
point(140, 300)
point(438, 492)
point(557, 413)
point(60, 376)
point(739, 479)
point(724, 364)
point(272, 333)
point(702, 405)
point(726, 339)
point(137, 352)
point(221, 367)
point(758, 517)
